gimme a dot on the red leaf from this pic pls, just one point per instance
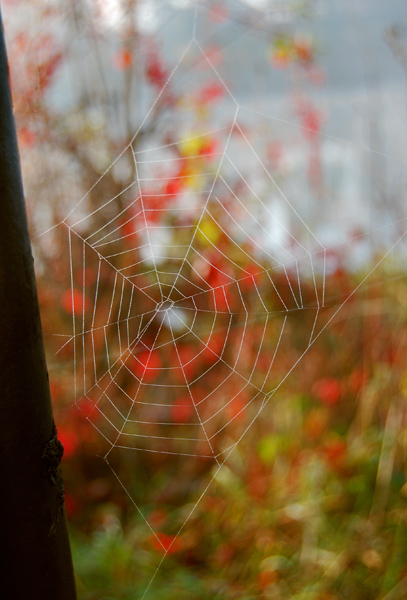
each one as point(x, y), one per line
point(213, 348)
point(220, 299)
point(253, 273)
point(73, 302)
point(311, 122)
point(69, 440)
point(147, 365)
point(335, 453)
point(26, 138)
point(169, 543)
point(304, 51)
point(236, 408)
point(87, 408)
point(155, 71)
point(209, 147)
point(173, 186)
point(211, 92)
point(47, 69)
point(328, 390)
point(187, 357)
point(182, 409)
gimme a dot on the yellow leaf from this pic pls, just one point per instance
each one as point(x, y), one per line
point(191, 146)
point(208, 232)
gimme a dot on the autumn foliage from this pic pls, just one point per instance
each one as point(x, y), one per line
point(311, 500)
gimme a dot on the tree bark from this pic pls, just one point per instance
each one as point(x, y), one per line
point(36, 560)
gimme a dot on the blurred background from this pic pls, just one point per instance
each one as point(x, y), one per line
point(217, 201)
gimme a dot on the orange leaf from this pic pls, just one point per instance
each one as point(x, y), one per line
point(122, 59)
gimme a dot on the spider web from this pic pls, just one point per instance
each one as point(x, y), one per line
point(203, 292)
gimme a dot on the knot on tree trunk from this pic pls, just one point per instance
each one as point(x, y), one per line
point(52, 454)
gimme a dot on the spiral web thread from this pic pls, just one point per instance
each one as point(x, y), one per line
point(150, 315)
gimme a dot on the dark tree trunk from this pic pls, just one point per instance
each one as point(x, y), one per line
point(36, 560)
